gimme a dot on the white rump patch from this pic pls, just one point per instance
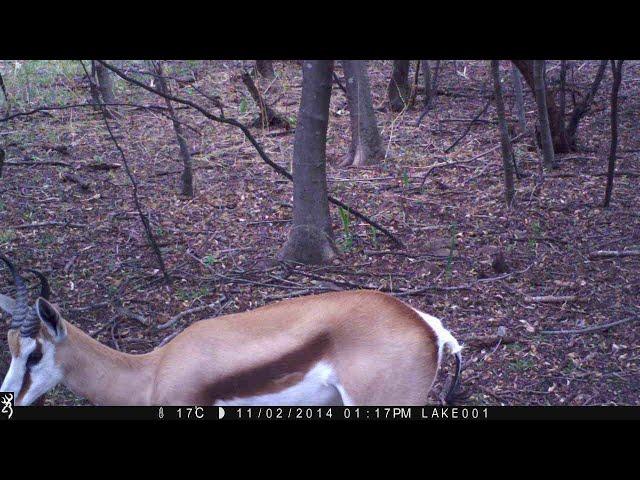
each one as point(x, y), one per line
point(320, 386)
point(442, 334)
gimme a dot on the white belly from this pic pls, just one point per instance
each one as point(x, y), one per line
point(319, 386)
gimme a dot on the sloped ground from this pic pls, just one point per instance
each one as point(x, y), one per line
point(222, 243)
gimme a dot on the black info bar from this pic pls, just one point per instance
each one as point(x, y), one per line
point(341, 414)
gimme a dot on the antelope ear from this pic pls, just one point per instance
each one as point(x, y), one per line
point(51, 318)
point(7, 304)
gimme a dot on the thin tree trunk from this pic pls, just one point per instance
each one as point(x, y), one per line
point(310, 238)
point(5, 96)
point(366, 144)
point(543, 118)
point(436, 73)
point(426, 79)
point(93, 86)
point(616, 68)
point(560, 142)
point(505, 141)
point(414, 87)
point(187, 171)
point(398, 89)
point(105, 84)
point(582, 108)
point(563, 98)
point(268, 116)
point(516, 79)
point(265, 68)
point(431, 89)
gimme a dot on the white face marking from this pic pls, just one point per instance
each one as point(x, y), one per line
point(15, 375)
point(444, 336)
point(43, 375)
point(319, 386)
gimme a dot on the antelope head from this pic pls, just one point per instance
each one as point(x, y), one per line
point(33, 336)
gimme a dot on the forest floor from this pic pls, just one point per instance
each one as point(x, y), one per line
point(220, 247)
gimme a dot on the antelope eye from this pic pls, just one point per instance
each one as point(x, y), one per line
point(34, 358)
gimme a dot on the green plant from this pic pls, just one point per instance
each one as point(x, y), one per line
point(7, 235)
point(243, 105)
point(187, 295)
point(47, 238)
point(347, 242)
point(40, 81)
point(374, 235)
point(210, 260)
point(521, 364)
point(537, 231)
point(569, 367)
point(405, 179)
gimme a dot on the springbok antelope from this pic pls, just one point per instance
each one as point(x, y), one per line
point(342, 348)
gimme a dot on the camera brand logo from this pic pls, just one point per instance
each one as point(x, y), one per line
point(6, 400)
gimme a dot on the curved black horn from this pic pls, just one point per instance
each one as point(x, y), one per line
point(45, 288)
point(22, 310)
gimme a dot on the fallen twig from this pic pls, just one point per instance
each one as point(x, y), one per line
point(551, 298)
point(124, 312)
point(595, 328)
point(53, 163)
point(492, 394)
point(613, 253)
point(50, 224)
point(488, 341)
point(56, 163)
point(184, 313)
point(81, 182)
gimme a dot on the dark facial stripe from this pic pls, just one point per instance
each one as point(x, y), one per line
point(26, 380)
point(26, 383)
point(35, 356)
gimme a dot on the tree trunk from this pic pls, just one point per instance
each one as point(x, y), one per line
point(265, 68)
point(436, 73)
point(187, 172)
point(268, 116)
point(546, 139)
point(366, 145)
point(615, 88)
point(558, 134)
point(563, 96)
point(105, 83)
point(93, 86)
point(505, 141)
point(426, 79)
point(516, 79)
point(5, 97)
point(398, 90)
point(310, 238)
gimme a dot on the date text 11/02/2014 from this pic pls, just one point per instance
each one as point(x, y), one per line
point(359, 413)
